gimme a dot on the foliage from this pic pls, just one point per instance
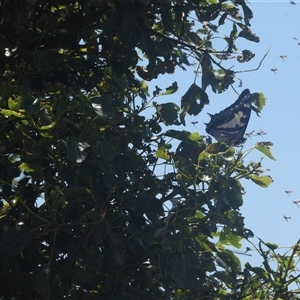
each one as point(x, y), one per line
point(94, 202)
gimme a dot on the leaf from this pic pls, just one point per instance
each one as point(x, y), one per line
point(29, 103)
point(75, 150)
point(248, 15)
point(40, 62)
point(147, 46)
point(162, 153)
point(48, 283)
point(263, 181)
point(122, 82)
point(228, 260)
point(199, 214)
point(194, 100)
point(222, 19)
point(184, 135)
point(105, 150)
point(223, 276)
point(261, 272)
point(102, 107)
point(116, 245)
point(246, 56)
point(186, 272)
point(249, 35)
point(13, 105)
point(10, 113)
point(183, 59)
point(14, 239)
point(79, 193)
point(29, 169)
point(259, 100)
point(168, 113)
point(271, 246)
point(84, 276)
point(166, 17)
point(228, 238)
point(264, 147)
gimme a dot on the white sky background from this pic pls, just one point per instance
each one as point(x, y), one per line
point(277, 24)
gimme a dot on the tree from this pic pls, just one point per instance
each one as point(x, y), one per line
point(94, 202)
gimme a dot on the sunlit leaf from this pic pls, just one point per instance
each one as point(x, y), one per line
point(228, 238)
point(263, 181)
point(162, 153)
point(264, 147)
point(259, 100)
point(271, 246)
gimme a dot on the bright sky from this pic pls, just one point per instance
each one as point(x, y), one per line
point(277, 24)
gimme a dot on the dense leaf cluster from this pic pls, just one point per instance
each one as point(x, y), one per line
point(95, 205)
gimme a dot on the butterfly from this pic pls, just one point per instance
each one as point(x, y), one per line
point(229, 125)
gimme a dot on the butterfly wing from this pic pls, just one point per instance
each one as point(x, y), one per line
point(229, 125)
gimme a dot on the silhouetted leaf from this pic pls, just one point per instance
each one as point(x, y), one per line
point(168, 113)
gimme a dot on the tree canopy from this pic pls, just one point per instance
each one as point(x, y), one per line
point(95, 202)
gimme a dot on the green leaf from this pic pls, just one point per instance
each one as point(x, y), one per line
point(13, 105)
point(263, 181)
point(271, 246)
point(162, 153)
point(10, 113)
point(199, 214)
point(29, 168)
point(84, 101)
point(223, 276)
point(228, 238)
point(259, 100)
point(264, 147)
point(228, 260)
point(261, 272)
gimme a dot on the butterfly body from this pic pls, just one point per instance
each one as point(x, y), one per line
point(229, 125)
